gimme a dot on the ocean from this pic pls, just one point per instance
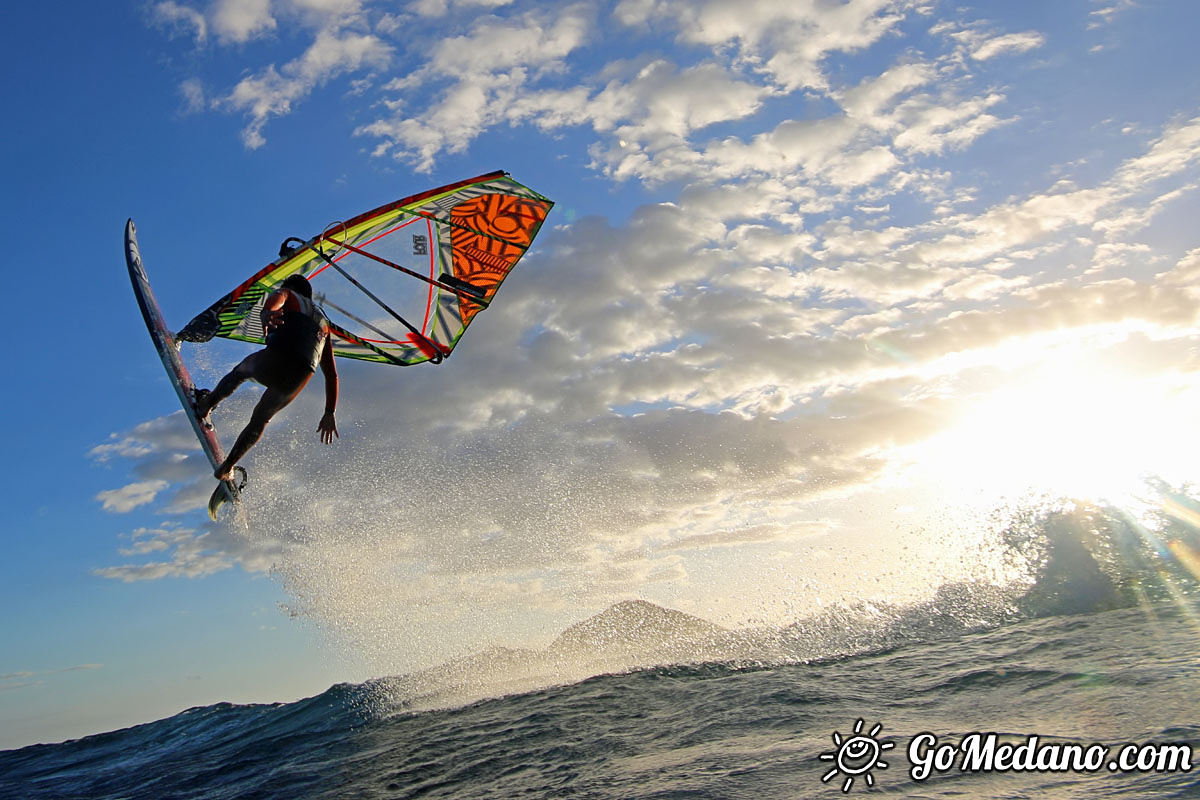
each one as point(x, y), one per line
point(1085, 683)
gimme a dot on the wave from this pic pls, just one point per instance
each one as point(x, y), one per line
point(211, 752)
point(704, 730)
point(1088, 557)
point(1072, 559)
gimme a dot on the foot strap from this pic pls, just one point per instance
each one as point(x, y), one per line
point(197, 396)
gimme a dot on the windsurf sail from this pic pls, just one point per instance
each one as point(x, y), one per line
point(400, 283)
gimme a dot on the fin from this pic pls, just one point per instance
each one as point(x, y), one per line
point(226, 491)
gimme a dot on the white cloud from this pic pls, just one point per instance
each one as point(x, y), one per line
point(789, 38)
point(1108, 11)
point(929, 127)
point(863, 144)
point(498, 46)
point(240, 21)
point(189, 553)
point(662, 101)
point(438, 8)
point(675, 310)
point(339, 46)
point(131, 495)
point(874, 95)
point(718, 370)
point(194, 99)
point(273, 92)
point(328, 8)
point(180, 19)
point(168, 433)
point(514, 70)
point(1109, 257)
point(1177, 149)
point(648, 116)
point(1135, 217)
point(1006, 44)
point(489, 69)
point(1186, 271)
point(20, 680)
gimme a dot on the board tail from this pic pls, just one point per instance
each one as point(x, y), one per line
point(226, 492)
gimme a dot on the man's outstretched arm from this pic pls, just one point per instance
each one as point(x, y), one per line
point(328, 427)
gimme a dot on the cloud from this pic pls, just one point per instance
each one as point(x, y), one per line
point(1006, 44)
point(179, 19)
point(662, 101)
point(131, 496)
point(926, 126)
point(647, 112)
point(233, 21)
point(1176, 150)
point(20, 680)
point(641, 374)
point(172, 432)
point(194, 99)
point(439, 8)
point(1108, 11)
point(191, 554)
point(488, 69)
point(242, 20)
point(498, 46)
point(8, 687)
point(340, 45)
point(1186, 271)
point(518, 70)
point(874, 95)
point(273, 92)
point(788, 39)
point(881, 121)
point(842, 264)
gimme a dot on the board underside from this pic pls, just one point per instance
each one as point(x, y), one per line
point(177, 371)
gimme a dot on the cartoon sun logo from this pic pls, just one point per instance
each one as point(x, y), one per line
point(856, 756)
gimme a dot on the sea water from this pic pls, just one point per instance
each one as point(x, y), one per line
point(1087, 685)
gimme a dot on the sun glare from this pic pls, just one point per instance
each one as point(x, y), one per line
point(1070, 431)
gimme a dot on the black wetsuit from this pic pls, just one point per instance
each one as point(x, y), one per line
point(296, 344)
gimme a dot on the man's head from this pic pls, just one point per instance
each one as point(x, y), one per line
point(298, 284)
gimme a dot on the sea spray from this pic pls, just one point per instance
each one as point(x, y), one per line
point(737, 731)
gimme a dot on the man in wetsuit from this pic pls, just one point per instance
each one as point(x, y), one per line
point(297, 341)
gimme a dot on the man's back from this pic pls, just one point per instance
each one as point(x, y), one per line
point(300, 332)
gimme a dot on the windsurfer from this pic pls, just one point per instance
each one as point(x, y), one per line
point(297, 341)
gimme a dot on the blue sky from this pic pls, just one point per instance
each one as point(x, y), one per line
point(821, 277)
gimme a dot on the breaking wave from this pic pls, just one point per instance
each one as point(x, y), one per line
point(660, 702)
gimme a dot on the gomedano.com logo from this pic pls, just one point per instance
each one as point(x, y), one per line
point(989, 752)
point(858, 754)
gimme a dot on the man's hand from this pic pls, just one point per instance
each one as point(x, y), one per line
point(328, 428)
point(272, 310)
point(271, 320)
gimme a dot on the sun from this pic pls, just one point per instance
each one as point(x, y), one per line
point(1069, 429)
point(856, 756)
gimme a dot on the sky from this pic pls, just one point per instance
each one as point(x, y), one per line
point(827, 285)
